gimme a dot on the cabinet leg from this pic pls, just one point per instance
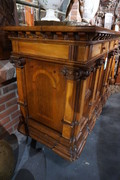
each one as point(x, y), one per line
point(33, 143)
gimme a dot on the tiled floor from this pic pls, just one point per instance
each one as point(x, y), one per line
point(100, 159)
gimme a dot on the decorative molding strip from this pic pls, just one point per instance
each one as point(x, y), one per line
point(77, 36)
point(101, 36)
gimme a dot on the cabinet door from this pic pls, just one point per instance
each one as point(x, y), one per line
point(46, 89)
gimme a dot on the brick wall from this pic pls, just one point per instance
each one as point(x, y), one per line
point(74, 14)
point(9, 110)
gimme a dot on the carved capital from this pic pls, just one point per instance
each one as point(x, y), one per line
point(18, 62)
point(100, 62)
point(86, 73)
point(75, 73)
point(116, 51)
point(71, 73)
point(111, 54)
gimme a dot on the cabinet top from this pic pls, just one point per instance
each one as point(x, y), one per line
point(64, 28)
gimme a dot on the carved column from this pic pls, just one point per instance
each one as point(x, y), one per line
point(19, 63)
point(100, 65)
point(75, 94)
point(113, 73)
point(73, 79)
point(95, 96)
point(107, 72)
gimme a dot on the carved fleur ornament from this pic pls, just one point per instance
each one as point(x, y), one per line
point(18, 62)
point(75, 73)
point(72, 74)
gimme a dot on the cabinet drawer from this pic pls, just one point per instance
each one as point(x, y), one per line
point(105, 47)
point(116, 44)
point(96, 50)
point(113, 44)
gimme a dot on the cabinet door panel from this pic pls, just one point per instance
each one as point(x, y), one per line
point(45, 93)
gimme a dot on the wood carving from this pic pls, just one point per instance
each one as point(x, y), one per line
point(100, 62)
point(69, 33)
point(111, 54)
point(72, 74)
point(18, 62)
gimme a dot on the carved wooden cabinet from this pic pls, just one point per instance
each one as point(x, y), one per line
point(63, 75)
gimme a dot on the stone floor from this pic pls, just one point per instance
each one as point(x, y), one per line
point(99, 160)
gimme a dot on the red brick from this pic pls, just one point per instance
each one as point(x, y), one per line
point(8, 125)
point(16, 120)
point(15, 126)
point(74, 13)
point(10, 87)
point(2, 108)
point(15, 114)
point(11, 102)
point(4, 121)
point(11, 123)
point(8, 111)
point(7, 97)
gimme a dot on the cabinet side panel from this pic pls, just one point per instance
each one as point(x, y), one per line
point(45, 93)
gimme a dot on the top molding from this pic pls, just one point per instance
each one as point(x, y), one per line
point(79, 33)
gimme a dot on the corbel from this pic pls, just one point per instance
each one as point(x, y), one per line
point(76, 73)
point(100, 62)
point(72, 73)
point(17, 61)
point(111, 54)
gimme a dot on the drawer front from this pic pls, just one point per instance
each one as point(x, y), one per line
point(113, 44)
point(116, 43)
point(45, 50)
point(105, 47)
point(96, 50)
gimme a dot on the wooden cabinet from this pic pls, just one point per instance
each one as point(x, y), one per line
point(63, 75)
